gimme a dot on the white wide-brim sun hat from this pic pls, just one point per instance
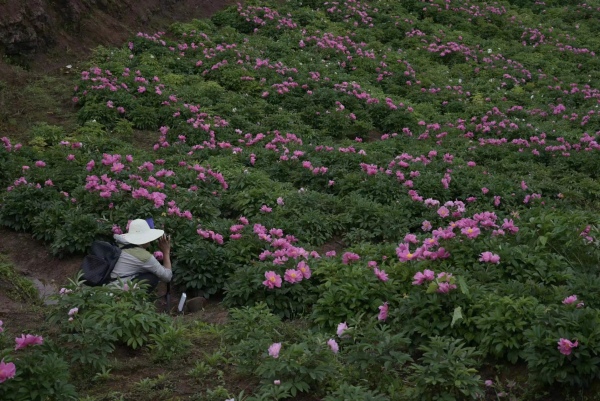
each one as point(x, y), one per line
point(140, 233)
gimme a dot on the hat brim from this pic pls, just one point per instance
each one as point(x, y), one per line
point(143, 238)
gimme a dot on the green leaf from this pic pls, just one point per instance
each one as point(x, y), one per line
point(463, 286)
point(433, 286)
point(456, 316)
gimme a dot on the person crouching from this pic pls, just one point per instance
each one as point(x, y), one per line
point(135, 262)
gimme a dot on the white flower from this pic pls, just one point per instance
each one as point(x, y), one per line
point(69, 66)
point(489, 51)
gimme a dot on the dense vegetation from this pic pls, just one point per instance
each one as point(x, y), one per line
point(399, 200)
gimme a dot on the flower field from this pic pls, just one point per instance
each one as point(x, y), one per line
point(398, 200)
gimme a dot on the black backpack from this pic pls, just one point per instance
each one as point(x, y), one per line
point(100, 262)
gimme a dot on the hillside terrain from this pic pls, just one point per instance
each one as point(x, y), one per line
point(381, 200)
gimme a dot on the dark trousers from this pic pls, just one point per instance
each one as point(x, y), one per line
point(149, 278)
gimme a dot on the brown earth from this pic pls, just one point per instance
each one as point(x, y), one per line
point(34, 29)
point(40, 38)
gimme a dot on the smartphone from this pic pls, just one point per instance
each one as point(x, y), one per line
point(150, 222)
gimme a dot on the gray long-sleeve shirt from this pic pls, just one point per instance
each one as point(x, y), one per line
point(136, 261)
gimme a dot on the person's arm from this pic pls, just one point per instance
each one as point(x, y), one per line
point(164, 244)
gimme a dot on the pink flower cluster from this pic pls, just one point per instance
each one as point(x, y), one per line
point(488, 257)
point(218, 238)
point(444, 280)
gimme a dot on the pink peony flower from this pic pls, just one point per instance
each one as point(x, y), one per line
point(272, 280)
point(471, 232)
point(421, 277)
point(381, 274)
point(569, 300)
point(73, 311)
point(304, 269)
point(333, 345)
point(443, 212)
point(274, 350)
point(292, 276)
point(565, 346)
point(7, 371)
point(348, 257)
point(341, 328)
point(26, 340)
point(1, 328)
point(489, 257)
point(330, 254)
point(158, 255)
point(383, 311)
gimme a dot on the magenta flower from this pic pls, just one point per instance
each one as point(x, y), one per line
point(383, 311)
point(509, 226)
point(489, 257)
point(274, 350)
point(292, 276)
point(341, 328)
point(426, 226)
point(405, 255)
point(411, 238)
point(443, 211)
point(266, 209)
point(565, 346)
point(7, 371)
point(443, 288)
point(28, 339)
point(1, 328)
point(421, 277)
point(158, 255)
point(333, 345)
point(381, 274)
point(570, 300)
point(488, 383)
point(280, 201)
point(348, 257)
point(272, 280)
point(471, 232)
point(304, 269)
point(40, 163)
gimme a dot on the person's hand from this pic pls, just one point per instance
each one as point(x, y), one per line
point(164, 244)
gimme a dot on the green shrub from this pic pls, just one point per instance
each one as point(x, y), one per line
point(446, 371)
